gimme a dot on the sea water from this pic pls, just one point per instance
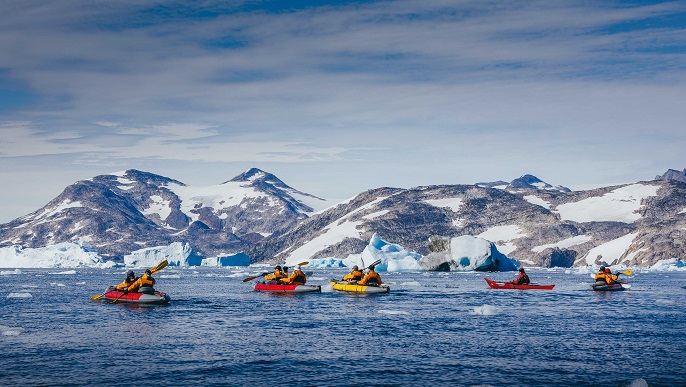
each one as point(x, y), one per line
point(431, 329)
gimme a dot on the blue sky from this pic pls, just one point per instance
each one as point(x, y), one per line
point(336, 97)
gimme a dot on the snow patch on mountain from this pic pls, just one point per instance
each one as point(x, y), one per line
point(619, 205)
point(565, 243)
point(503, 236)
point(533, 199)
point(453, 203)
point(609, 252)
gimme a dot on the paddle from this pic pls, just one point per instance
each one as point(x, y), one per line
point(154, 270)
point(263, 274)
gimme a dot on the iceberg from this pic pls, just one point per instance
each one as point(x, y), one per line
point(60, 255)
point(468, 253)
point(326, 262)
point(239, 259)
point(394, 258)
point(177, 253)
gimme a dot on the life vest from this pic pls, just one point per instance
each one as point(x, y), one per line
point(276, 275)
point(523, 279)
point(371, 278)
point(355, 275)
point(126, 284)
point(610, 278)
point(145, 280)
point(297, 278)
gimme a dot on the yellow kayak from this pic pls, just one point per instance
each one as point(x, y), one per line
point(354, 288)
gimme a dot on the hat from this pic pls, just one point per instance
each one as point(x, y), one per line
point(521, 269)
point(602, 268)
point(130, 273)
point(355, 267)
point(607, 270)
point(371, 267)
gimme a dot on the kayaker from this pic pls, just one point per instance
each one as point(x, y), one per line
point(145, 280)
point(354, 276)
point(600, 276)
point(522, 279)
point(609, 277)
point(371, 278)
point(296, 278)
point(276, 275)
point(128, 281)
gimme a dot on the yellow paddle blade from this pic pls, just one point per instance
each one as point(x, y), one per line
point(159, 267)
point(96, 298)
point(628, 272)
point(303, 263)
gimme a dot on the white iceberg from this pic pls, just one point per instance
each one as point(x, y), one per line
point(674, 264)
point(469, 253)
point(393, 257)
point(238, 259)
point(177, 253)
point(326, 262)
point(65, 254)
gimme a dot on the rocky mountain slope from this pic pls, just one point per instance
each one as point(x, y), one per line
point(637, 223)
point(127, 211)
point(527, 219)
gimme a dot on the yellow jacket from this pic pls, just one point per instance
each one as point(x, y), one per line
point(276, 275)
point(126, 284)
point(610, 278)
point(369, 277)
point(296, 278)
point(600, 277)
point(145, 280)
point(354, 275)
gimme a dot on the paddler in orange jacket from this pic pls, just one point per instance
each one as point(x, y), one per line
point(371, 278)
point(354, 276)
point(145, 280)
point(609, 277)
point(130, 279)
point(296, 278)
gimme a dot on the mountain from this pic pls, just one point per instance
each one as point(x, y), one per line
point(126, 211)
point(637, 223)
point(524, 182)
point(673, 174)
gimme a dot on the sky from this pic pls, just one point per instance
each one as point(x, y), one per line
point(337, 97)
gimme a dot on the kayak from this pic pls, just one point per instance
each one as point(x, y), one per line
point(286, 288)
point(506, 285)
point(355, 288)
point(611, 288)
point(153, 297)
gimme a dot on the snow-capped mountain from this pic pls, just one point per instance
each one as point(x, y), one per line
point(637, 223)
point(524, 182)
point(126, 211)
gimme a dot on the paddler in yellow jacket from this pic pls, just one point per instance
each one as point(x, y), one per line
point(354, 275)
point(276, 275)
point(371, 278)
point(600, 277)
point(130, 279)
point(296, 278)
point(145, 280)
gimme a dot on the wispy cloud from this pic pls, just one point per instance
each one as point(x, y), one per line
point(537, 84)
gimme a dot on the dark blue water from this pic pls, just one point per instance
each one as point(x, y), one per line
point(432, 329)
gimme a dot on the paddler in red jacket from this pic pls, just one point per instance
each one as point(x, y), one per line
point(145, 280)
point(522, 279)
point(371, 278)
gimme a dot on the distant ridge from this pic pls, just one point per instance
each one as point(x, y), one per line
point(673, 174)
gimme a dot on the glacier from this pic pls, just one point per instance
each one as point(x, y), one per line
point(177, 253)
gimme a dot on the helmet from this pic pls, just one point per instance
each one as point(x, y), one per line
point(356, 268)
point(607, 270)
point(602, 268)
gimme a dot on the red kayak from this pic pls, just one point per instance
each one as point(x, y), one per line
point(285, 288)
point(136, 298)
point(507, 285)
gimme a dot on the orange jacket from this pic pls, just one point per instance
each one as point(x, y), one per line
point(145, 280)
point(610, 278)
point(522, 279)
point(369, 276)
point(296, 278)
point(601, 276)
point(354, 275)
